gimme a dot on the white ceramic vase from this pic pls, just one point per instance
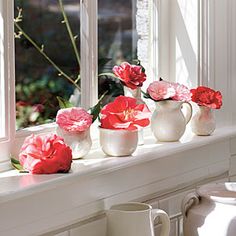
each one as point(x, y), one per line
point(168, 122)
point(136, 93)
point(203, 122)
point(135, 219)
point(79, 142)
point(210, 211)
point(118, 142)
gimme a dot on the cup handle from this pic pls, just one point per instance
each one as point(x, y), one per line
point(164, 220)
point(189, 112)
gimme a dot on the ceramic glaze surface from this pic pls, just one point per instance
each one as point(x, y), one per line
point(79, 142)
point(203, 122)
point(211, 211)
point(135, 219)
point(168, 122)
point(118, 142)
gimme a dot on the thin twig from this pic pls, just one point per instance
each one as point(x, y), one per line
point(41, 50)
point(72, 37)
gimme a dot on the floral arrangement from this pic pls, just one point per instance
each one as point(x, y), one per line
point(74, 119)
point(45, 155)
point(124, 113)
point(164, 90)
point(131, 76)
point(207, 97)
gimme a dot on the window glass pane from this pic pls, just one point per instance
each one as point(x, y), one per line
point(117, 40)
point(38, 82)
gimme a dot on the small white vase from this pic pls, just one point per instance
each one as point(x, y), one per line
point(136, 93)
point(79, 142)
point(203, 122)
point(168, 122)
point(118, 142)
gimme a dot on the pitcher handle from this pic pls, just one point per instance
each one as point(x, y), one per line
point(189, 200)
point(164, 219)
point(189, 113)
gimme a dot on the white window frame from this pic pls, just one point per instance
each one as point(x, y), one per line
point(7, 80)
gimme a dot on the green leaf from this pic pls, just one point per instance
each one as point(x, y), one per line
point(16, 164)
point(108, 74)
point(103, 61)
point(138, 63)
point(95, 110)
point(63, 103)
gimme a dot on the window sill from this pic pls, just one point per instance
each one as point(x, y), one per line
point(97, 181)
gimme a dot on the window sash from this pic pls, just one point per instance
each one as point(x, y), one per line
point(7, 77)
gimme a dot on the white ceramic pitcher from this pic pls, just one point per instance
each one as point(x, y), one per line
point(135, 219)
point(168, 122)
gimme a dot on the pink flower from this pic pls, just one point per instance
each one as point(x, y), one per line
point(125, 113)
point(161, 90)
point(74, 119)
point(45, 155)
point(182, 93)
point(131, 75)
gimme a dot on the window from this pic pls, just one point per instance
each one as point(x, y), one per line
point(38, 79)
point(117, 41)
point(170, 44)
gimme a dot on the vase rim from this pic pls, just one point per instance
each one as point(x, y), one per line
point(172, 101)
point(117, 130)
point(219, 192)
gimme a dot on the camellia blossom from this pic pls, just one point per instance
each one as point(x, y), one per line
point(125, 113)
point(207, 97)
point(75, 119)
point(131, 75)
point(161, 90)
point(182, 93)
point(45, 155)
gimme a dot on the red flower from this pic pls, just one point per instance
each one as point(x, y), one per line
point(124, 113)
point(131, 75)
point(45, 155)
point(207, 97)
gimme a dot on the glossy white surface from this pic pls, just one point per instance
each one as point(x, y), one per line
point(211, 210)
point(168, 121)
point(135, 219)
point(118, 143)
point(203, 122)
point(79, 142)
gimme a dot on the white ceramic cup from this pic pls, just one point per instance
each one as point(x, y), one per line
point(118, 142)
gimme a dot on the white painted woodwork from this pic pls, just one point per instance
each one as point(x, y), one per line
point(58, 203)
point(89, 53)
point(7, 83)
